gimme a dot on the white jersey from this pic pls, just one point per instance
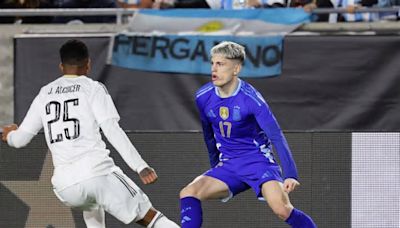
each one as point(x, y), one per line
point(71, 110)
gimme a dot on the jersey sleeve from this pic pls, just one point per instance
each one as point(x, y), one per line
point(268, 123)
point(120, 141)
point(208, 134)
point(32, 122)
point(19, 138)
point(102, 105)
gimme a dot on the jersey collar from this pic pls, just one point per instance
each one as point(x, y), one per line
point(70, 75)
point(234, 93)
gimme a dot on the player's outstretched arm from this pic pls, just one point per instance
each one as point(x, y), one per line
point(120, 141)
point(16, 137)
point(148, 175)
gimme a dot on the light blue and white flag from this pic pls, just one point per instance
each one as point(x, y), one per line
point(179, 41)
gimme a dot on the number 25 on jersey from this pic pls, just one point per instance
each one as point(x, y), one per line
point(56, 112)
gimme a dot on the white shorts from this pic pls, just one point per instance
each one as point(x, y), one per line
point(115, 193)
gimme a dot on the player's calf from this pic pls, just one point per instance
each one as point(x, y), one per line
point(155, 219)
point(299, 219)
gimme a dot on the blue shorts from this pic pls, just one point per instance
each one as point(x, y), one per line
point(242, 173)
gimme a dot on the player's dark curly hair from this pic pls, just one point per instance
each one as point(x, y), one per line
point(74, 52)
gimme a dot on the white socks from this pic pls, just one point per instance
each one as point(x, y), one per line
point(95, 218)
point(160, 221)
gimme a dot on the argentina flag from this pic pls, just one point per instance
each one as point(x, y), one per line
point(179, 40)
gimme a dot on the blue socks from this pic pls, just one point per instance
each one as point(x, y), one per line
point(191, 213)
point(299, 219)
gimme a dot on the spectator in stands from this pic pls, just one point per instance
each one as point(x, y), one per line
point(135, 4)
point(37, 4)
point(218, 4)
point(353, 5)
point(85, 4)
point(26, 4)
point(5, 4)
point(389, 4)
point(265, 3)
point(192, 4)
point(168, 4)
point(309, 5)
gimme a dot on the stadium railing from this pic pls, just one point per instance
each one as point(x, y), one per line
point(121, 14)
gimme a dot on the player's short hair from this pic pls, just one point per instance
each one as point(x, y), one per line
point(229, 50)
point(74, 52)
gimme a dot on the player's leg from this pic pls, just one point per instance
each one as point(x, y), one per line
point(202, 188)
point(76, 196)
point(277, 199)
point(95, 218)
point(123, 199)
point(155, 219)
point(279, 202)
point(205, 187)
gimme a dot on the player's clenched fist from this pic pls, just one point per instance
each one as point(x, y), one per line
point(290, 184)
point(148, 175)
point(7, 129)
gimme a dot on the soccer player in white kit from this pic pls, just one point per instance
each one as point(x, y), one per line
point(72, 109)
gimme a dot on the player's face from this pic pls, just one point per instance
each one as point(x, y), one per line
point(223, 70)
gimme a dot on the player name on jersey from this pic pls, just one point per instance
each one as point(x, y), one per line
point(67, 89)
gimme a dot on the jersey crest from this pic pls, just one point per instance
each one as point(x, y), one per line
point(224, 112)
point(236, 114)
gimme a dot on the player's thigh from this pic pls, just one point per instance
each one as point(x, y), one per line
point(75, 196)
point(206, 187)
point(122, 198)
point(276, 197)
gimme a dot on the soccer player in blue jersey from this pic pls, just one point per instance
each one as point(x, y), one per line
point(239, 130)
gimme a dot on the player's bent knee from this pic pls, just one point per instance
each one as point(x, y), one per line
point(188, 191)
point(193, 190)
point(283, 212)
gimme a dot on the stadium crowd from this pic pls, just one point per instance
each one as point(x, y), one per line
point(308, 5)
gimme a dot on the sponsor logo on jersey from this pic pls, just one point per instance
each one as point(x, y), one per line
point(266, 175)
point(211, 114)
